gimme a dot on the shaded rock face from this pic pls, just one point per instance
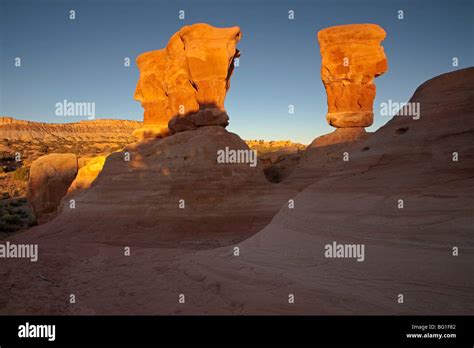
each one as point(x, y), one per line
point(184, 85)
point(50, 178)
point(352, 57)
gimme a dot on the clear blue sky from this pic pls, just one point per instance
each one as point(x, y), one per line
point(82, 60)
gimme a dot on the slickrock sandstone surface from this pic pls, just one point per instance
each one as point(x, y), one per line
point(340, 135)
point(186, 83)
point(407, 251)
point(352, 56)
point(130, 199)
point(50, 178)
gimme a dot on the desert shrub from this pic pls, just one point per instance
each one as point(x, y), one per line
point(6, 228)
point(11, 219)
point(44, 149)
point(21, 174)
point(15, 203)
point(32, 221)
point(23, 214)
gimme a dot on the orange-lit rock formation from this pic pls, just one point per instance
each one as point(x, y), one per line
point(87, 174)
point(352, 57)
point(151, 93)
point(186, 82)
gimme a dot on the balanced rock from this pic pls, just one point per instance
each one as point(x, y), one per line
point(209, 54)
point(352, 57)
point(183, 86)
point(50, 178)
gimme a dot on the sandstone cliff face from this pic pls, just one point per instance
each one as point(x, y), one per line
point(351, 58)
point(184, 85)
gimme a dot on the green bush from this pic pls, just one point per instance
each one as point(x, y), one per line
point(16, 203)
point(11, 219)
point(6, 228)
point(32, 221)
point(21, 174)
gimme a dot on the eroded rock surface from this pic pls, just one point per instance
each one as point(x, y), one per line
point(184, 85)
point(352, 56)
point(50, 178)
point(151, 93)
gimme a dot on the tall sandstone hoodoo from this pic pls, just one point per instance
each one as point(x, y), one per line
point(183, 86)
point(352, 57)
point(151, 93)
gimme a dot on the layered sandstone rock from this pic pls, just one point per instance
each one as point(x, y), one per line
point(209, 54)
point(352, 57)
point(50, 178)
point(186, 83)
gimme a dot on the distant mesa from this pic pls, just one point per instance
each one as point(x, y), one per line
point(183, 86)
point(100, 130)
